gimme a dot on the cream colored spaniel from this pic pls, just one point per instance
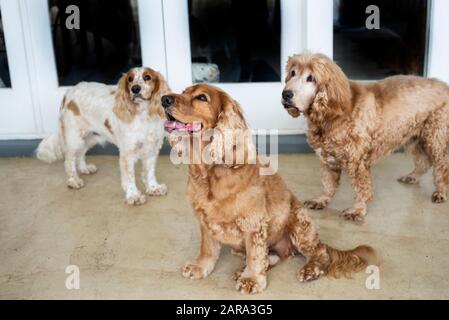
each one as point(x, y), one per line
point(130, 116)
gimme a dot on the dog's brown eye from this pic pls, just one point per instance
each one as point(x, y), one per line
point(130, 79)
point(310, 78)
point(147, 78)
point(201, 97)
point(292, 73)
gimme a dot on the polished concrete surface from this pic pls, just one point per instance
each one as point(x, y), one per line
point(137, 252)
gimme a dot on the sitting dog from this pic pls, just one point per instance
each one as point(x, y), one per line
point(256, 215)
point(130, 116)
point(353, 124)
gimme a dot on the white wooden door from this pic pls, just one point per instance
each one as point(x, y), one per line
point(17, 117)
point(438, 65)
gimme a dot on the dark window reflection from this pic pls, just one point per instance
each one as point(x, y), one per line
point(398, 47)
point(106, 44)
point(5, 80)
point(235, 40)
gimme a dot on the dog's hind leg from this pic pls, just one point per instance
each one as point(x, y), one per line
point(421, 160)
point(72, 133)
point(436, 136)
point(74, 146)
point(440, 174)
point(87, 168)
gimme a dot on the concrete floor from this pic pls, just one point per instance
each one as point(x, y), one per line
point(137, 252)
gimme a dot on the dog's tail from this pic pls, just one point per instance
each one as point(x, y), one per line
point(334, 262)
point(344, 263)
point(51, 148)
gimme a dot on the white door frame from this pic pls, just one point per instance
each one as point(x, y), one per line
point(260, 101)
point(438, 47)
point(17, 117)
point(320, 26)
point(48, 94)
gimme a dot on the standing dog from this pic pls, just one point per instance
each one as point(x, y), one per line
point(130, 116)
point(353, 124)
point(237, 206)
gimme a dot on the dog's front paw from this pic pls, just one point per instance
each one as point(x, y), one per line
point(354, 214)
point(316, 204)
point(75, 183)
point(90, 168)
point(438, 197)
point(310, 272)
point(193, 271)
point(157, 190)
point(135, 199)
point(408, 179)
point(251, 285)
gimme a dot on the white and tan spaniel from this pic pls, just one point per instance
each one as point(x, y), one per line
point(130, 116)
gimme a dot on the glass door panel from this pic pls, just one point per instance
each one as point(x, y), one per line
point(106, 44)
point(397, 47)
point(235, 41)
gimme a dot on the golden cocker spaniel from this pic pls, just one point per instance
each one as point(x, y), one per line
point(256, 215)
point(353, 124)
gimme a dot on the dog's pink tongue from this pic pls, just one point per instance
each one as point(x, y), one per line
point(179, 126)
point(170, 125)
point(194, 127)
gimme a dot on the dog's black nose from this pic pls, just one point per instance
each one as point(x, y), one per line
point(135, 89)
point(287, 95)
point(167, 101)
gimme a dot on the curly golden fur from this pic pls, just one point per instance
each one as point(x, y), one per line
point(353, 124)
point(256, 215)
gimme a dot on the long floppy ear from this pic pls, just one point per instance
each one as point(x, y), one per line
point(160, 89)
point(334, 93)
point(231, 115)
point(124, 108)
point(290, 63)
point(231, 142)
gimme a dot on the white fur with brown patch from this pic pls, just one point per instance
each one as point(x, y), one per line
point(99, 113)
